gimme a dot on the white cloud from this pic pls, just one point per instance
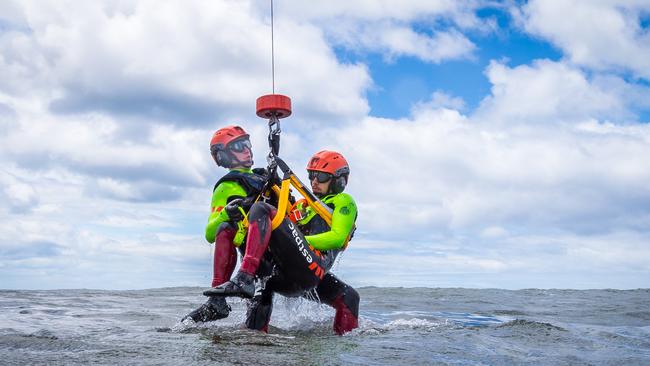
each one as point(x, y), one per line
point(536, 175)
point(72, 239)
point(177, 62)
point(11, 13)
point(459, 11)
point(106, 110)
point(390, 29)
point(439, 99)
point(396, 40)
point(20, 196)
point(443, 45)
point(551, 92)
point(529, 261)
point(602, 35)
point(494, 232)
point(91, 144)
point(441, 170)
point(130, 220)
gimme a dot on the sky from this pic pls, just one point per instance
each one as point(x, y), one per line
point(492, 144)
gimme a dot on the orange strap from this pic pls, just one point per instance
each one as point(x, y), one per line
point(296, 215)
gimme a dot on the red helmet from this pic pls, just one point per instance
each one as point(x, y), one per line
point(219, 145)
point(226, 135)
point(333, 163)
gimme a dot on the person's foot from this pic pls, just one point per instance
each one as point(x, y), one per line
point(242, 285)
point(214, 309)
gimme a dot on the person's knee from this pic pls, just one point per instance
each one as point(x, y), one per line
point(351, 298)
point(347, 311)
point(226, 228)
point(225, 234)
point(259, 209)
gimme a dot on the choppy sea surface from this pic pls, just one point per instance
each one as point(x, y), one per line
point(398, 326)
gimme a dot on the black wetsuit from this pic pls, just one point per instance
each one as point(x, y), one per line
point(297, 270)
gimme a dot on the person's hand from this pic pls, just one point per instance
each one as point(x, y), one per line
point(233, 210)
point(261, 171)
point(275, 179)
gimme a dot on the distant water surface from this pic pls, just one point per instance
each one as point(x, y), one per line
point(398, 326)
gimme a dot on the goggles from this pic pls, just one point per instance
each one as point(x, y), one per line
point(321, 177)
point(239, 145)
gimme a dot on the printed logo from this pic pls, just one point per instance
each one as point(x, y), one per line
point(318, 271)
point(344, 210)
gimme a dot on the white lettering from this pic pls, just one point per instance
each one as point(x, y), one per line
point(300, 243)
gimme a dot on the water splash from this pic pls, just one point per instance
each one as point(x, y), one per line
point(300, 314)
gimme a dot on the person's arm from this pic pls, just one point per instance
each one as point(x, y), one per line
point(225, 192)
point(343, 217)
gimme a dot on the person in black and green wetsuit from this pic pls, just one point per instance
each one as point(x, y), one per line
point(230, 148)
point(303, 249)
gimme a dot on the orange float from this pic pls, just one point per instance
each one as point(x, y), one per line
point(273, 105)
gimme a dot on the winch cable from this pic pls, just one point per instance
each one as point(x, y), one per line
point(275, 107)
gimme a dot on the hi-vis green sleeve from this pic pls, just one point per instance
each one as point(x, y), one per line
point(220, 198)
point(343, 217)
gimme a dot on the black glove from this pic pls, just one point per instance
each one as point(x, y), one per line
point(232, 210)
point(275, 179)
point(261, 171)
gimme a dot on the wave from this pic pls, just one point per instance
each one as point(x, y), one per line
point(531, 325)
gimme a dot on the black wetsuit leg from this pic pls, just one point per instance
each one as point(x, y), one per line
point(258, 314)
point(297, 270)
point(259, 310)
point(343, 298)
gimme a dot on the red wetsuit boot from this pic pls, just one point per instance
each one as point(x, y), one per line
point(344, 320)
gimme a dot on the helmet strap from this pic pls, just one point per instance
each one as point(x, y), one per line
point(337, 185)
point(223, 159)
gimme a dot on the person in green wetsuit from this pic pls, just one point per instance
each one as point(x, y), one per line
point(230, 148)
point(302, 249)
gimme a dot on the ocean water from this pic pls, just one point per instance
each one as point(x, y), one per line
point(398, 326)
